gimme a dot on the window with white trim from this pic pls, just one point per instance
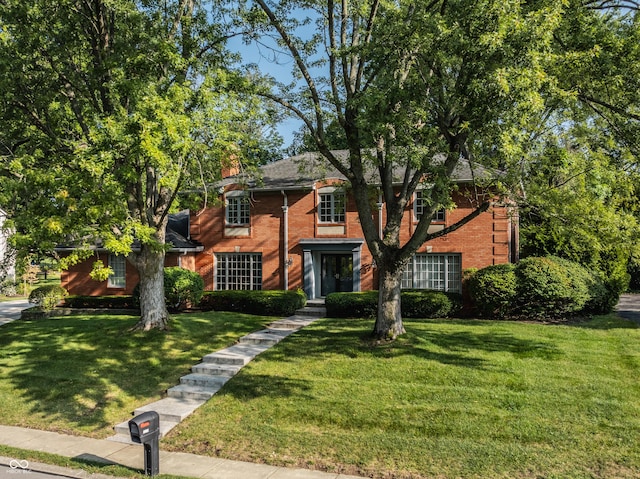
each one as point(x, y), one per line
point(237, 208)
point(419, 207)
point(238, 271)
point(440, 272)
point(118, 276)
point(331, 207)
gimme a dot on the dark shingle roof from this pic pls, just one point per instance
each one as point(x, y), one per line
point(302, 171)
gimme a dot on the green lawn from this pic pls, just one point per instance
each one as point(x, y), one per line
point(84, 374)
point(449, 399)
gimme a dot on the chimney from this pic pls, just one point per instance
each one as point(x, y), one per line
point(230, 167)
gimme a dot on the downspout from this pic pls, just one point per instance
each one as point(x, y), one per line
point(285, 253)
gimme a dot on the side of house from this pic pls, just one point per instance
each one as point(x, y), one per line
point(298, 227)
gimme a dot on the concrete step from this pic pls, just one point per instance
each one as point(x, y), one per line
point(292, 322)
point(314, 311)
point(267, 337)
point(216, 370)
point(186, 391)
point(204, 380)
point(238, 354)
point(172, 409)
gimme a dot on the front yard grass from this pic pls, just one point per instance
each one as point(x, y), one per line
point(84, 374)
point(449, 399)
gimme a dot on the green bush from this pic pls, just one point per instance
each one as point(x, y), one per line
point(549, 289)
point(362, 304)
point(416, 304)
point(182, 287)
point(268, 303)
point(101, 302)
point(493, 290)
point(48, 297)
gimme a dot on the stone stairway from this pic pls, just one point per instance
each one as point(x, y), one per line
point(208, 377)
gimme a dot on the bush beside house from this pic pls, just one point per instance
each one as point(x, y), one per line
point(416, 304)
point(539, 288)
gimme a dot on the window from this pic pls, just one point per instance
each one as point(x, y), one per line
point(118, 277)
point(238, 271)
point(440, 272)
point(237, 209)
point(419, 207)
point(331, 207)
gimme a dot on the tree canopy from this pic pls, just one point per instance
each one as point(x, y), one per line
point(107, 110)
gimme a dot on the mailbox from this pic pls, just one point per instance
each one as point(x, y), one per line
point(145, 429)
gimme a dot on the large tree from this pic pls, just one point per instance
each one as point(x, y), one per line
point(108, 108)
point(419, 86)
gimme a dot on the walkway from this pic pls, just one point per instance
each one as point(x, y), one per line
point(629, 307)
point(11, 310)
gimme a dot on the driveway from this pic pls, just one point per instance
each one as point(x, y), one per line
point(629, 307)
point(10, 310)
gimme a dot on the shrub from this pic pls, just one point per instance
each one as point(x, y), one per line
point(362, 304)
point(268, 303)
point(182, 286)
point(493, 290)
point(8, 288)
point(546, 289)
point(101, 302)
point(48, 297)
point(416, 304)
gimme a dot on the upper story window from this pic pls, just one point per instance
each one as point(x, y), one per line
point(419, 207)
point(331, 206)
point(118, 277)
point(237, 208)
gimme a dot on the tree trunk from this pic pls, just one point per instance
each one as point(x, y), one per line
point(389, 320)
point(153, 311)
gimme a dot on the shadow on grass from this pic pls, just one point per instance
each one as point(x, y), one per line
point(465, 345)
point(89, 373)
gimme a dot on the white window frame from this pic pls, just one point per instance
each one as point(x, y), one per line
point(118, 278)
point(439, 272)
point(238, 271)
point(331, 206)
point(418, 209)
point(237, 208)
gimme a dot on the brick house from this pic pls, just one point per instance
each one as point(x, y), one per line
point(297, 227)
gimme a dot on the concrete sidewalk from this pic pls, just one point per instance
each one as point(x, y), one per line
point(11, 310)
point(175, 463)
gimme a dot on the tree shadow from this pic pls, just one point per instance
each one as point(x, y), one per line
point(86, 374)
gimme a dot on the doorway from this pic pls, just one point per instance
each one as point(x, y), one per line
point(336, 273)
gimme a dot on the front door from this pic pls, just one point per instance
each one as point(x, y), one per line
point(336, 274)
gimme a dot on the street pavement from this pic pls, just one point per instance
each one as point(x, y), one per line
point(11, 310)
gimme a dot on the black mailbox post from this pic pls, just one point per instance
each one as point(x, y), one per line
point(145, 429)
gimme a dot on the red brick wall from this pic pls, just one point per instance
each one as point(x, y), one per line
point(483, 241)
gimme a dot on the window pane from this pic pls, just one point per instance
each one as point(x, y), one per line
point(433, 271)
point(117, 279)
point(237, 211)
point(331, 208)
point(235, 271)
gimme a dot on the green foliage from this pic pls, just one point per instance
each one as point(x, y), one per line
point(182, 286)
point(101, 302)
point(416, 303)
point(546, 289)
point(494, 290)
point(48, 297)
point(271, 303)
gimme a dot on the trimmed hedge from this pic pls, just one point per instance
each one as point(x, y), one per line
point(547, 289)
point(416, 304)
point(494, 290)
point(48, 297)
point(267, 303)
point(101, 302)
point(539, 288)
